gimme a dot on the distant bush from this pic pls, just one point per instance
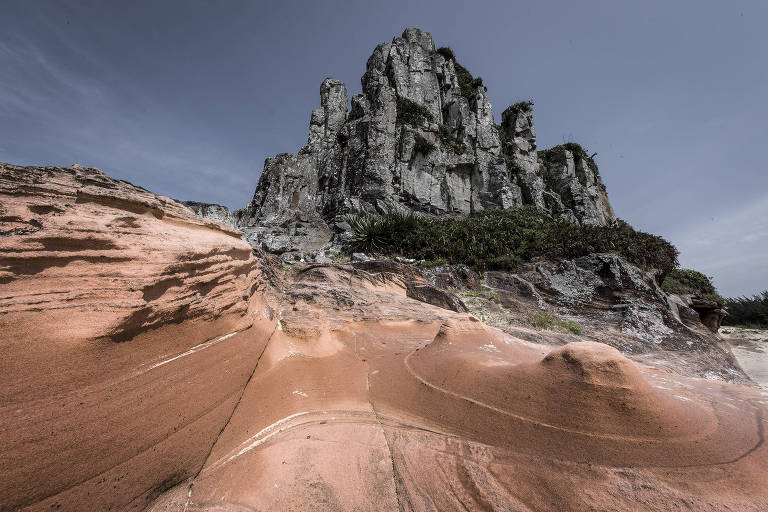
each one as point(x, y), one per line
point(447, 53)
point(543, 320)
point(575, 148)
point(373, 233)
point(412, 113)
point(433, 263)
point(423, 146)
point(504, 239)
point(683, 281)
point(748, 311)
point(524, 106)
point(572, 327)
point(448, 141)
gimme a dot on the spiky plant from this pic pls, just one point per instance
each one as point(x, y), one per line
point(368, 233)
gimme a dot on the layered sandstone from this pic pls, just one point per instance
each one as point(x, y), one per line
point(153, 361)
point(128, 328)
point(368, 400)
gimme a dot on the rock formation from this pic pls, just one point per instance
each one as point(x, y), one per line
point(212, 211)
point(153, 361)
point(612, 302)
point(128, 328)
point(421, 137)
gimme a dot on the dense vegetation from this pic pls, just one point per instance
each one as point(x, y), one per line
point(423, 146)
point(467, 83)
point(547, 320)
point(577, 150)
point(748, 311)
point(683, 281)
point(504, 239)
point(410, 112)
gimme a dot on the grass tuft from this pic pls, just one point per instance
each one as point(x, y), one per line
point(549, 321)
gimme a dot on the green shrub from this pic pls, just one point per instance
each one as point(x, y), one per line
point(543, 320)
point(504, 239)
point(549, 321)
point(447, 53)
point(448, 141)
point(412, 113)
point(683, 281)
point(572, 327)
point(748, 311)
point(368, 233)
point(577, 150)
point(525, 106)
point(433, 263)
point(423, 146)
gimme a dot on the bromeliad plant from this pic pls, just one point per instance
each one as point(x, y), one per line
point(504, 239)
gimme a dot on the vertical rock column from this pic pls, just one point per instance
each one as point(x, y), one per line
point(520, 148)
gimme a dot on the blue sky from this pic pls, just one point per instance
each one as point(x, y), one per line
point(187, 98)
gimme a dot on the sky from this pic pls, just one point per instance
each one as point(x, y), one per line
point(187, 98)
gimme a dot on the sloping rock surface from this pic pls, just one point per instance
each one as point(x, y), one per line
point(128, 328)
point(421, 137)
point(246, 386)
point(612, 302)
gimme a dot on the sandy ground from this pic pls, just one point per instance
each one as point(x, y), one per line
point(750, 346)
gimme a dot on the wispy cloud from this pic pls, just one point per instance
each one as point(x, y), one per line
point(99, 121)
point(732, 247)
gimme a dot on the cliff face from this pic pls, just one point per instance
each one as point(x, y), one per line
point(421, 137)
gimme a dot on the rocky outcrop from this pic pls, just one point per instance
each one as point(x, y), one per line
point(212, 211)
point(437, 411)
point(421, 137)
point(574, 188)
point(128, 328)
point(610, 300)
point(710, 311)
point(153, 361)
point(711, 314)
point(610, 291)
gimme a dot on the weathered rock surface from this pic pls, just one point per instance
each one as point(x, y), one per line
point(711, 312)
point(153, 361)
point(212, 211)
point(610, 300)
point(128, 328)
point(420, 398)
point(421, 138)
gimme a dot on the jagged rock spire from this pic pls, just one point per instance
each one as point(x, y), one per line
point(421, 137)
